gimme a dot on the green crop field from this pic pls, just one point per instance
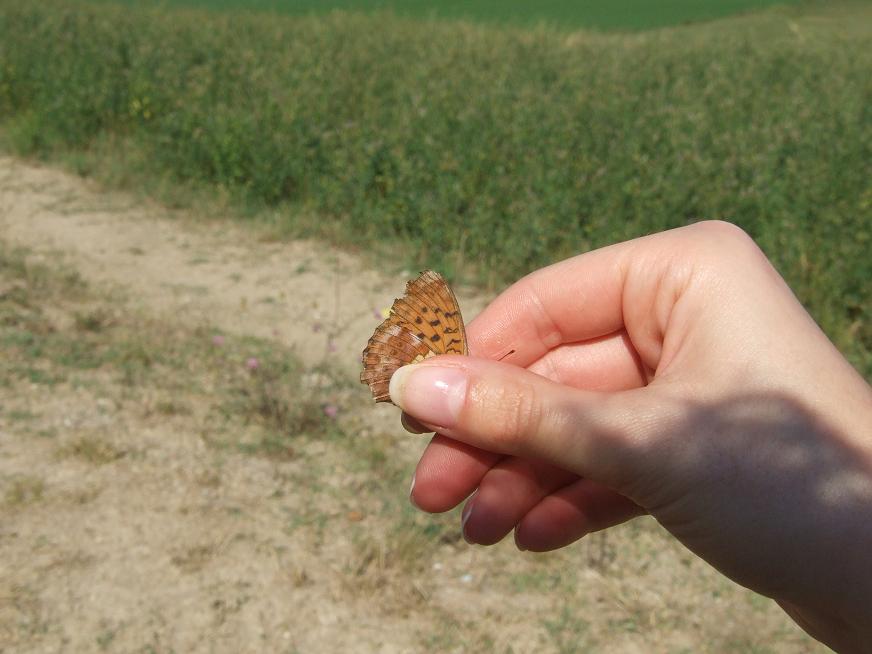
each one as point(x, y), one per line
point(482, 151)
point(603, 14)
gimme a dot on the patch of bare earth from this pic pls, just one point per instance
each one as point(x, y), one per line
point(160, 492)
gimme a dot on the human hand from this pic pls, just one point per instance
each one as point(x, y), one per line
point(675, 375)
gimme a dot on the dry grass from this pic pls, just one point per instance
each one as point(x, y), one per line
point(24, 490)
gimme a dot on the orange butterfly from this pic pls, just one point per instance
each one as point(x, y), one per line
point(425, 322)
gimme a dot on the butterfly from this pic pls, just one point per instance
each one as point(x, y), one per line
point(425, 322)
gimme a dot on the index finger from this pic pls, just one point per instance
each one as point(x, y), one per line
point(574, 300)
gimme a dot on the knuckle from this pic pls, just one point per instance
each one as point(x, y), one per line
point(720, 233)
point(724, 244)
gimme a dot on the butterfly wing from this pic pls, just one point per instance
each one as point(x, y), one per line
point(425, 322)
point(434, 313)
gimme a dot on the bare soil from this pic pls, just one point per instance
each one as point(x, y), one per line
point(123, 528)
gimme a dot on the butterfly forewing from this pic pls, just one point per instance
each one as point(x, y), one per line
point(437, 309)
point(424, 322)
point(454, 333)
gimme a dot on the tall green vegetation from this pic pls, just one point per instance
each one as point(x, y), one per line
point(483, 151)
point(600, 14)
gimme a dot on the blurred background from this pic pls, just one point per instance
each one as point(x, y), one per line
point(206, 206)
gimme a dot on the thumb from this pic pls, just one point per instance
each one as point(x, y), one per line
point(606, 437)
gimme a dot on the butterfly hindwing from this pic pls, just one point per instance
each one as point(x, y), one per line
point(424, 322)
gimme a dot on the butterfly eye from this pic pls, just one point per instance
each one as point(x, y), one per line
point(425, 322)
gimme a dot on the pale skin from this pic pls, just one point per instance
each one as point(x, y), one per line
point(675, 375)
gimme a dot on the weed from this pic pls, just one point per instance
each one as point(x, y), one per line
point(94, 320)
point(568, 632)
point(538, 580)
point(21, 415)
point(172, 407)
point(106, 636)
point(30, 616)
point(271, 445)
point(269, 389)
point(194, 558)
point(91, 449)
point(24, 490)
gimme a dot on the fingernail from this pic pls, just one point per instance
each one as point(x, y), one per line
point(467, 511)
point(412, 497)
point(518, 544)
point(432, 394)
point(411, 425)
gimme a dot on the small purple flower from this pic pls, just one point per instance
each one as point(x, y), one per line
point(217, 340)
point(252, 363)
point(377, 314)
point(331, 411)
point(317, 327)
point(331, 345)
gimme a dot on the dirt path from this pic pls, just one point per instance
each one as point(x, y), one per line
point(126, 533)
point(322, 302)
point(132, 519)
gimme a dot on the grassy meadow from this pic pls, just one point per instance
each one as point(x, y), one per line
point(600, 14)
point(484, 152)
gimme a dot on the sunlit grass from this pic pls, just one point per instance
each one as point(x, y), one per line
point(606, 14)
point(483, 152)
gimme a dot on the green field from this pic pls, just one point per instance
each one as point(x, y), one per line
point(601, 14)
point(482, 151)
